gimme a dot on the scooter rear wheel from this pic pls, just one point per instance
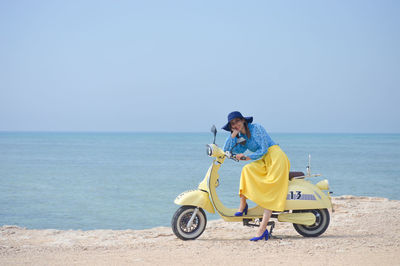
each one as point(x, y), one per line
point(318, 228)
point(181, 218)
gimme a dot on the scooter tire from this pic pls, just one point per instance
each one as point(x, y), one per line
point(180, 219)
point(317, 229)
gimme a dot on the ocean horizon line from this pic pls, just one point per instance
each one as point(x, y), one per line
point(185, 132)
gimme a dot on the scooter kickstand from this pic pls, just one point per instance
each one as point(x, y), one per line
point(272, 223)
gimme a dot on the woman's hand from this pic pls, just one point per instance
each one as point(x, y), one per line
point(241, 155)
point(234, 133)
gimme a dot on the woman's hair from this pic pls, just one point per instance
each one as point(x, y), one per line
point(246, 127)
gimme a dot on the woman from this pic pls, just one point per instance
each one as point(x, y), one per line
point(265, 179)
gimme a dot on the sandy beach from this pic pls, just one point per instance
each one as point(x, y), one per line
point(363, 231)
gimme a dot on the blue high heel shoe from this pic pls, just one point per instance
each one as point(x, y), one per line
point(265, 234)
point(244, 211)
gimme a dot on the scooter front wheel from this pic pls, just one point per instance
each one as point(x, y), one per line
point(318, 228)
point(181, 220)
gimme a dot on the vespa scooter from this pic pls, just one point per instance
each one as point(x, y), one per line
point(307, 205)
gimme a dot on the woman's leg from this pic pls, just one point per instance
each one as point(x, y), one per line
point(242, 203)
point(264, 223)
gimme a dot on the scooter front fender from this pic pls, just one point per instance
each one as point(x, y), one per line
point(197, 198)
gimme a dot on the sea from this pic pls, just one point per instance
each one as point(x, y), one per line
point(86, 181)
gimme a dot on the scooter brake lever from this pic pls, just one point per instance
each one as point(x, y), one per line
point(233, 157)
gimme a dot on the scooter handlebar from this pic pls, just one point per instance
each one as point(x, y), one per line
point(233, 156)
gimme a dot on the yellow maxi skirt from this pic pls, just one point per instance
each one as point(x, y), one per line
point(265, 181)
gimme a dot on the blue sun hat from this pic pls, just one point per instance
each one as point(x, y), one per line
point(233, 115)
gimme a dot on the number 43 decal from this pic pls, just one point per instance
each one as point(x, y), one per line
point(296, 195)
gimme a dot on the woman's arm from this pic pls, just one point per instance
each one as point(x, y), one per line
point(230, 142)
point(262, 138)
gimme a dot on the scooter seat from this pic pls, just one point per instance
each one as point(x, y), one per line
point(295, 174)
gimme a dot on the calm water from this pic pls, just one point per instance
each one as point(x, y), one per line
point(129, 180)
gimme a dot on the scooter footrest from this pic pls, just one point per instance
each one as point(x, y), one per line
point(248, 222)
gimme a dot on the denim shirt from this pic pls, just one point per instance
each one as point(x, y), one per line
point(258, 143)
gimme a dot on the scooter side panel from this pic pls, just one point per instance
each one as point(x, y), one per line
point(195, 198)
point(302, 195)
point(305, 218)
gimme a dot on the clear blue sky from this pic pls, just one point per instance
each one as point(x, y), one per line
point(296, 66)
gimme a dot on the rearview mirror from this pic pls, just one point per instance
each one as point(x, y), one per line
point(214, 131)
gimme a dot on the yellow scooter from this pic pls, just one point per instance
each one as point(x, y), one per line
point(306, 204)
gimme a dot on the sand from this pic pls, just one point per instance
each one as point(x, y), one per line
point(363, 231)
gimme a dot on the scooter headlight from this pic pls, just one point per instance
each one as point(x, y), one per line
point(209, 150)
